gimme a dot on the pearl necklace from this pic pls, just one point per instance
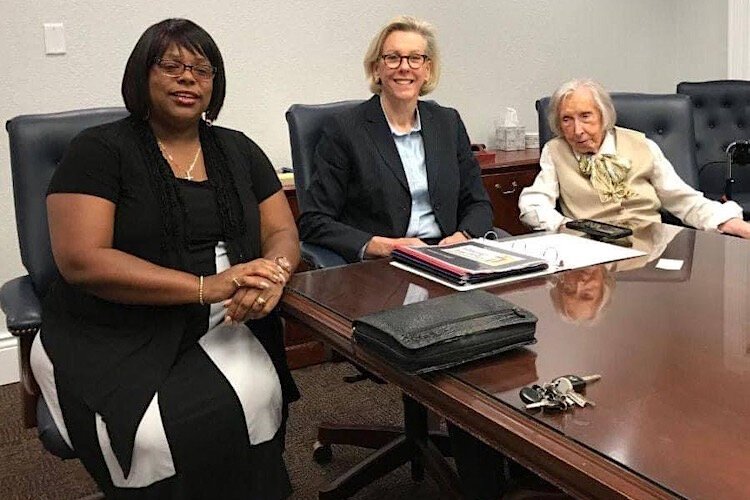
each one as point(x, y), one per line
point(189, 170)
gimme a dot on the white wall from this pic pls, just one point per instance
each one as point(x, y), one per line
point(496, 53)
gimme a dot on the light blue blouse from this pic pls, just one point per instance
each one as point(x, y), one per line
point(410, 146)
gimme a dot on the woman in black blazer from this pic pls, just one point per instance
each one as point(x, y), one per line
point(399, 171)
point(395, 170)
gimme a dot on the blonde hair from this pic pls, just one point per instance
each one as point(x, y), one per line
point(601, 98)
point(407, 24)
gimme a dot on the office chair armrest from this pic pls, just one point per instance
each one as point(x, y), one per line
point(20, 303)
point(318, 257)
point(501, 233)
point(49, 433)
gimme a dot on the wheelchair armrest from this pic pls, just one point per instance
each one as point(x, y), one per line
point(20, 303)
point(319, 257)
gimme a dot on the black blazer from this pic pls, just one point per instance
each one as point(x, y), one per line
point(358, 188)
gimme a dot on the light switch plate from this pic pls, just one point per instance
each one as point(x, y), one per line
point(54, 38)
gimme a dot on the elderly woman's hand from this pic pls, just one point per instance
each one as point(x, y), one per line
point(737, 227)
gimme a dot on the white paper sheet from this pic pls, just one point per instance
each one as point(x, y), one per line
point(669, 264)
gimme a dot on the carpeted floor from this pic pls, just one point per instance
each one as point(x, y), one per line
point(27, 471)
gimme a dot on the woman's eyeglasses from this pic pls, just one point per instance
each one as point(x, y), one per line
point(175, 69)
point(415, 61)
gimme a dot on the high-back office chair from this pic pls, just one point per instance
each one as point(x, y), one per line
point(37, 143)
point(395, 446)
point(665, 119)
point(721, 115)
point(305, 128)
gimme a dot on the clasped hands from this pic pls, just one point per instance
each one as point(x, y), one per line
point(250, 290)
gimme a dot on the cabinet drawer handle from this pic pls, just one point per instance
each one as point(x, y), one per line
point(514, 185)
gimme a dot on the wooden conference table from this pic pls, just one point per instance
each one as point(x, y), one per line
point(673, 348)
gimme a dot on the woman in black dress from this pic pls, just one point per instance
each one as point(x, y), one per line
point(161, 355)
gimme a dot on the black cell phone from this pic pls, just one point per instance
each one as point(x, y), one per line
point(599, 230)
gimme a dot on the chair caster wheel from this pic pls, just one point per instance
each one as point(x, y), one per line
point(322, 453)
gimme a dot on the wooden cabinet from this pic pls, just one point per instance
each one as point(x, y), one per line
point(504, 180)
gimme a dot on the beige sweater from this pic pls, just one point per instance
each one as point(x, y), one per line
point(579, 199)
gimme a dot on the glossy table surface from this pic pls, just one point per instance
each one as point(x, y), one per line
point(673, 348)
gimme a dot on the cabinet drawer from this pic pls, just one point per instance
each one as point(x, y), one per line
point(504, 190)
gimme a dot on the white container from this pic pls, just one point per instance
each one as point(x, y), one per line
point(510, 138)
point(532, 140)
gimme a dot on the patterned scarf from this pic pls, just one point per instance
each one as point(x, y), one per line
point(608, 174)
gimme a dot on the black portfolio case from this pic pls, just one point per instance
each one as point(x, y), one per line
point(446, 331)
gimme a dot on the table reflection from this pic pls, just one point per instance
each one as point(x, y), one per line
point(579, 296)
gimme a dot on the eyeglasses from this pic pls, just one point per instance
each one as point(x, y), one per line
point(415, 61)
point(175, 69)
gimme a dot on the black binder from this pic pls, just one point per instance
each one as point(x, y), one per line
point(467, 262)
point(446, 331)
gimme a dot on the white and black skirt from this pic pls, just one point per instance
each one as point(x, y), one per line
point(212, 430)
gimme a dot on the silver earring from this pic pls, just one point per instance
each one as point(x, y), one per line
point(206, 119)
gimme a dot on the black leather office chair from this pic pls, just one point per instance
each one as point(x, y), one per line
point(37, 143)
point(395, 446)
point(305, 127)
point(721, 115)
point(665, 119)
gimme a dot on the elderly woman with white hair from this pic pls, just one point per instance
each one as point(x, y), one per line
point(599, 171)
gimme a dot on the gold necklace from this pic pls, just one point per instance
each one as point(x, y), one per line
point(189, 170)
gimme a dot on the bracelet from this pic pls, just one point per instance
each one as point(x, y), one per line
point(466, 235)
point(200, 290)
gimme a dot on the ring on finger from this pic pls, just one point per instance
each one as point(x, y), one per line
point(282, 262)
point(261, 301)
point(236, 282)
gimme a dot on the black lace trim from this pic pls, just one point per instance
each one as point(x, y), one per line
point(224, 184)
point(174, 237)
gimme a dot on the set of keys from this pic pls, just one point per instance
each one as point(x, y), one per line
point(560, 394)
